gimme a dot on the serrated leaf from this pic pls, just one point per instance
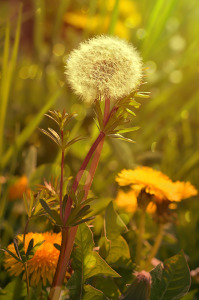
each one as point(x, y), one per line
point(91, 293)
point(93, 264)
point(114, 225)
point(86, 263)
point(172, 281)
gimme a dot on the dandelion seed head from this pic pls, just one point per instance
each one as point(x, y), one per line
point(105, 67)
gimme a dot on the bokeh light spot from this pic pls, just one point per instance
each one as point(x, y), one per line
point(177, 43)
point(141, 33)
point(58, 49)
point(175, 76)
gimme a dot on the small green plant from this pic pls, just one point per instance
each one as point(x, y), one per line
point(74, 263)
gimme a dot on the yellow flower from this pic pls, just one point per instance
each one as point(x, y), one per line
point(128, 202)
point(41, 267)
point(19, 187)
point(128, 18)
point(155, 183)
point(185, 190)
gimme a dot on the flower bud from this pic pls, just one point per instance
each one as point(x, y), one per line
point(140, 288)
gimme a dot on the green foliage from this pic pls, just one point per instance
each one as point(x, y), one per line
point(117, 250)
point(86, 263)
point(62, 120)
point(35, 43)
point(90, 293)
point(172, 280)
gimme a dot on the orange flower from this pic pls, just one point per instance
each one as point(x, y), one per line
point(43, 264)
point(156, 183)
point(18, 188)
point(128, 202)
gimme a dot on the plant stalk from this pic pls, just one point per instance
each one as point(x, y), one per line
point(25, 264)
point(68, 237)
point(61, 179)
point(140, 237)
point(156, 246)
point(80, 172)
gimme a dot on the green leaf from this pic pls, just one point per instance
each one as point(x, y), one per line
point(120, 137)
point(57, 246)
point(128, 129)
point(50, 136)
point(56, 135)
point(119, 253)
point(83, 221)
point(190, 295)
point(172, 281)
point(93, 264)
point(104, 245)
point(71, 142)
point(15, 290)
point(34, 249)
point(91, 293)
point(114, 225)
point(86, 262)
point(12, 254)
point(108, 287)
point(131, 112)
point(15, 242)
point(30, 246)
point(52, 213)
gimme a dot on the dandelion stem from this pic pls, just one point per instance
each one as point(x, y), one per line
point(156, 246)
point(140, 237)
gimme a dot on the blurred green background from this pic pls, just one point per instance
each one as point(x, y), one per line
point(33, 52)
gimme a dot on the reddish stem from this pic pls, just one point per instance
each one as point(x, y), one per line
point(80, 173)
point(62, 178)
point(68, 237)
